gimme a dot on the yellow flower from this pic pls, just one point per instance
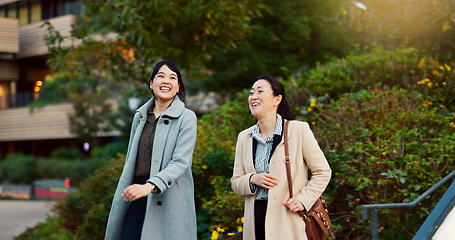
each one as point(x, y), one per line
point(452, 124)
point(423, 81)
point(297, 108)
point(383, 153)
point(231, 234)
point(422, 63)
point(430, 84)
point(310, 109)
point(436, 73)
point(239, 228)
point(219, 229)
point(215, 235)
point(441, 67)
point(313, 102)
point(313, 123)
point(242, 219)
point(447, 67)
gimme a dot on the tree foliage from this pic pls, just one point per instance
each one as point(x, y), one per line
point(427, 25)
point(288, 36)
point(182, 30)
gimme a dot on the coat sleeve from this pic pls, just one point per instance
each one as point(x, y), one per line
point(240, 181)
point(318, 165)
point(182, 156)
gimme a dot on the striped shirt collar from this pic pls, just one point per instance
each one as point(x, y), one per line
point(278, 129)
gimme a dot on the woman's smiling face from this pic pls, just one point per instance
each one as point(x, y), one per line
point(261, 100)
point(165, 84)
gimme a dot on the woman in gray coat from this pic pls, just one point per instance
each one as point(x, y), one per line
point(155, 194)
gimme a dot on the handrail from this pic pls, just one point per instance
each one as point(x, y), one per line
point(374, 207)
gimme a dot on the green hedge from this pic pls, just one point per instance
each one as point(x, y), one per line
point(84, 214)
point(403, 68)
point(384, 146)
point(63, 163)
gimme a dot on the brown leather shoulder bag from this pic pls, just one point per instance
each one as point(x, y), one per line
point(317, 221)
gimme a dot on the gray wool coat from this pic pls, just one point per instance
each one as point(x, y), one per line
point(171, 213)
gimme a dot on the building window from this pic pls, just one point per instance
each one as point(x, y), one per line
point(11, 10)
point(35, 11)
point(30, 11)
point(23, 13)
point(3, 11)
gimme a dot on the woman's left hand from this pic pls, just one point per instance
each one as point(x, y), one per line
point(294, 205)
point(136, 191)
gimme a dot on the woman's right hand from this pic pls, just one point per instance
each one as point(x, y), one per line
point(264, 180)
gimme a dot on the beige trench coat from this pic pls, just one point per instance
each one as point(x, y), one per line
point(280, 222)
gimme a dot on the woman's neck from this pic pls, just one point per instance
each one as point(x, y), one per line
point(267, 126)
point(160, 107)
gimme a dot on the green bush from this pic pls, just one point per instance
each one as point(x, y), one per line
point(21, 168)
point(18, 168)
point(213, 160)
point(51, 229)
point(403, 68)
point(83, 214)
point(225, 209)
point(389, 140)
point(110, 150)
point(64, 162)
point(67, 153)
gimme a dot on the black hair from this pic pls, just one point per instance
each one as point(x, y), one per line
point(171, 65)
point(278, 89)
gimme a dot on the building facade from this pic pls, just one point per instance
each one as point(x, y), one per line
point(23, 55)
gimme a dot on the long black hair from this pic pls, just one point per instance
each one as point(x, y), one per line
point(171, 65)
point(278, 89)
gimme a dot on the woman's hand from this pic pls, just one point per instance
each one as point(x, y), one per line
point(136, 191)
point(294, 205)
point(264, 180)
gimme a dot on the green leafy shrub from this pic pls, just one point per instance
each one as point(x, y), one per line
point(225, 209)
point(83, 214)
point(21, 168)
point(403, 68)
point(18, 168)
point(389, 140)
point(67, 153)
point(213, 159)
point(50, 229)
point(110, 150)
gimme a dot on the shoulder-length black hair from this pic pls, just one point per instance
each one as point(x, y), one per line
point(278, 89)
point(171, 65)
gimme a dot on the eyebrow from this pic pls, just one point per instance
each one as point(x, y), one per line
point(164, 73)
point(257, 87)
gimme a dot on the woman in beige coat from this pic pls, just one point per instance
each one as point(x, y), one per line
point(260, 172)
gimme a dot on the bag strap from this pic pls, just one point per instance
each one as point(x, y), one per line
point(287, 160)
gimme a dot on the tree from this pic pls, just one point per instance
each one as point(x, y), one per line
point(182, 30)
point(287, 37)
point(427, 25)
point(115, 44)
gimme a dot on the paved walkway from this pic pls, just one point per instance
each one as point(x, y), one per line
point(18, 215)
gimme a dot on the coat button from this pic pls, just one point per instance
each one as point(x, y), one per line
point(169, 183)
point(159, 203)
point(166, 122)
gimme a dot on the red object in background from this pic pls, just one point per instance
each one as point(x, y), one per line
point(49, 194)
point(67, 183)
